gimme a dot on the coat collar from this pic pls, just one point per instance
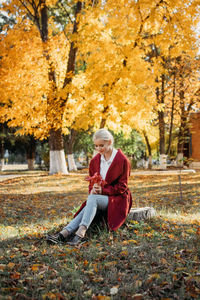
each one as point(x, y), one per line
point(110, 176)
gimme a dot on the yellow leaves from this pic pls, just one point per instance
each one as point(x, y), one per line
point(153, 277)
point(129, 242)
point(85, 262)
point(50, 295)
point(15, 275)
point(2, 266)
point(112, 41)
point(11, 265)
point(35, 267)
point(124, 253)
point(163, 261)
point(102, 297)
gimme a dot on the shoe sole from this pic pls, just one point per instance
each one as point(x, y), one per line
point(52, 241)
point(74, 245)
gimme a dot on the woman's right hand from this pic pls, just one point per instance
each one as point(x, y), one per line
point(96, 189)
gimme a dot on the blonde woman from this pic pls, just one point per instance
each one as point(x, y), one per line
point(113, 197)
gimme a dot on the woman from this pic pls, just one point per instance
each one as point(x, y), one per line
point(113, 196)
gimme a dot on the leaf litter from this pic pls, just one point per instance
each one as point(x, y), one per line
point(152, 259)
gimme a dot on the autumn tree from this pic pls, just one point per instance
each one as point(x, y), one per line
point(115, 45)
point(187, 97)
point(114, 84)
point(44, 110)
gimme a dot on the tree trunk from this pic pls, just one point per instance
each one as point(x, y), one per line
point(40, 17)
point(57, 155)
point(72, 53)
point(172, 114)
point(30, 152)
point(68, 78)
point(183, 125)
point(160, 100)
point(57, 160)
point(161, 120)
point(103, 123)
point(105, 108)
point(69, 145)
point(149, 150)
point(1, 147)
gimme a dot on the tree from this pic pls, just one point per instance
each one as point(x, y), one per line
point(45, 115)
point(114, 84)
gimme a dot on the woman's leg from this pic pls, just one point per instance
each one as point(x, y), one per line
point(83, 220)
point(75, 222)
point(65, 233)
point(94, 202)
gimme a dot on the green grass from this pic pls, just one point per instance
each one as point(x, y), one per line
point(153, 259)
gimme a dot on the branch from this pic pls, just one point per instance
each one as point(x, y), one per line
point(33, 17)
point(28, 10)
point(67, 13)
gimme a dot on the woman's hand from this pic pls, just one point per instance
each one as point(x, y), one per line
point(96, 189)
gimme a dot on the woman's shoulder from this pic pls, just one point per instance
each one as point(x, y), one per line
point(122, 157)
point(121, 154)
point(95, 158)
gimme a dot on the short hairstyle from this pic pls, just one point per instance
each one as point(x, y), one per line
point(103, 134)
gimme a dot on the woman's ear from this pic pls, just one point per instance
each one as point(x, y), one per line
point(109, 142)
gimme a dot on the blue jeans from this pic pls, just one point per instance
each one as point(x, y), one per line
point(87, 214)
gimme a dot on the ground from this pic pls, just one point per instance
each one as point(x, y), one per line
point(154, 259)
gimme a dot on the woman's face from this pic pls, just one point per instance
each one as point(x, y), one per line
point(102, 146)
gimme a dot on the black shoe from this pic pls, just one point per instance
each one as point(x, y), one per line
point(56, 238)
point(77, 240)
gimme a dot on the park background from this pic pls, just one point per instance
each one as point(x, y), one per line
point(68, 68)
point(71, 67)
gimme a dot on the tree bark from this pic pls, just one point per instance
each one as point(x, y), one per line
point(1, 146)
point(104, 119)
point(160, 98)
point(30, 152)
point(40, 18)
point(57, 134)
point(72, 53)
point(149, 150)
point(69, 146)
point(57, 156)
point(172, 114)
point(183, 117)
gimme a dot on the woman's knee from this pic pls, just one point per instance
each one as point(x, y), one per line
point(91, 199)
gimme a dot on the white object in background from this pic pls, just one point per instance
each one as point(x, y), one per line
point(57, 162)
point(163, 161)
point(71, 162)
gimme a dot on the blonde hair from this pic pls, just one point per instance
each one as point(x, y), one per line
point(103, 134)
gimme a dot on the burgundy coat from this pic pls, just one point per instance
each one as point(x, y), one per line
point(116, 187)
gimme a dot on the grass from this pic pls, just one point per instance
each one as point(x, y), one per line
point(153, 259)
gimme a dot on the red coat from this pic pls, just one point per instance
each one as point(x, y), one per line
point(116, 187)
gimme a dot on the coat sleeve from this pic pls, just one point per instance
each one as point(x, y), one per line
point(120, 186)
